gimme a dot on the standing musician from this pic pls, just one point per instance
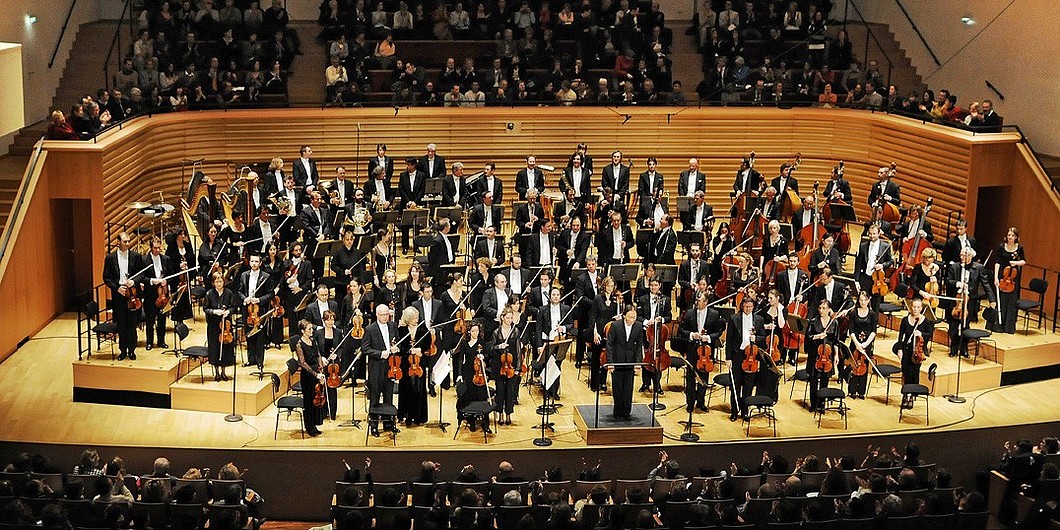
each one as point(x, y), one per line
point(803, 217)
point(616, 176)
point(490, 247)
point(314, 311)
point(315, 220)
point(826, 289)
point(863, 322)
point(342, 188)
point(774, 248)
point(413, 341)
point(785, 181)
point(700, 325)
point(625, 344)
point(916, 224)
point(791, 281)
point(529, 216)
point(389, 292)
point(327, 341)
point(219, 305)
point(118, 267)
point(581, 151)
point(951, 252)
point(472, 347)
point(689, 272)
point(312, 373)
point(383, 258)
point(298, 274)
point(377, 189)
point(452, 300)
point(305, 169)
point(381, 161)
point(272, 265)
point(607, 205)
point(820, 331)
point(838, 188)
point(236, 236)
point(411, 187)
point(275, 177)
point(529, 178)
point(553, 323)
point(744, 328)
point(663, 243)
point(968, 279)
point(506, 342)
point(748, 179)
point(485, 215)
point(772, 204)
point(1009, 254)
point(700, 217)
point(606, 308)
point(825, 257)
point(721, 245)
point(542, 247)
point(653, 307)
point(154, 316)
point(518, 277)
point(873, 255)
point(613, 242)
point(431, 164)
point(429, 311)
point(262, 231)
point(775, 316)
point(539, 295)
point(914, 326)
point(479, 281)
point(412, 284)
point(587, 284)
point(181, 258)
point(578, 178)
point(380, 342)
point(494, 300)
point(254, 288)
point(454, 187)
point(691, 180)
point(886, 188)
point(296, 201)
point(744, 274)
point(650, 182)
point(359, 213)
point(357, 302)
point(567, 209)
point(441, 252)
point(489, 183)
point(927, 277)
point(346, 261)
point(572, 245)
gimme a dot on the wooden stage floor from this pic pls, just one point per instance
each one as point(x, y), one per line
point(37, 406)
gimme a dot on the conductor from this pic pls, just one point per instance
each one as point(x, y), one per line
point(625, 344)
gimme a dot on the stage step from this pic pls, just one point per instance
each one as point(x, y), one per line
point(983, 375)
point(144, 382)
point(253, 395)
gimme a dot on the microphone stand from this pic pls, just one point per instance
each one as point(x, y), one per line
point(955, 397)
point(233, 417)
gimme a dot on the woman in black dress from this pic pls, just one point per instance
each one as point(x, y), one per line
point(719, 247)
point(451, 301)
point(412, 391)
point(774, 250)
point(819, 332)
point(312, 373)
point(913, 326)
point(356, 303)
point(505, 340)
point(236, 235)
point(219, 305)
point(927, 277)
point(775, 315)
point(273, 266)
point(471, 347)
point(181, 257)
point(330, 346)
point(208, 251)
point(479, 281)
point(389, 292)
point(605, 309)
point(863, 322)
point(381, 255)
point(410, 288)
point(744, 274)
point(1009, 254)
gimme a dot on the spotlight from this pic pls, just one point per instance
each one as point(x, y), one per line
point(30, 19)
point(968, 21)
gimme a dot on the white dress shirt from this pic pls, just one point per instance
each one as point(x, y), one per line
point(515, 281)
point(545, 250)
point(747, 327)
point(123, 266)
point(380, 190)
point(576, 181)
point(874, 253)
point(690, 185)
point(616, 238)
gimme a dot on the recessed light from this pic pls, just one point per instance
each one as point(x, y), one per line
point(967, 21)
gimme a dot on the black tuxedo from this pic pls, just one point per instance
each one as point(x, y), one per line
point(646, 185)
point(412, 191)
point(347, 188)
point(585, 286)
point(497, 188)
point(387, 165)
point(477, 218)
point(155, 319)
point(883, 258)
point(605, 245)
point(489, 309)
point(270, 181)
point(980, 285)
point(482, 250)
point(436, 311)
point(534, 249)
point(432, 168)
point(125, 318)
point(254, 233)
point(713, 326)
point(623, 349)
point(437, 256)
point(791, 184)
point(312, 226)
point(819, 292)
point(523, 212)
point(584, 187)
point(521, 184)
point(885, 187)
point(315, 315)
point(951, 252)
point(689, 218)
point(261, 291)
point(751, 183)
point(380, 388)
point(580, 248)
point(663, 246)
point(743, 383)
point(450, 186)
point(903, 230)
point(682, 182)
point(370, 190)
point(784, 284)
point(302, 177)
point(617, 182)
point(545, 324)
point(841, 186)
point(524, 278)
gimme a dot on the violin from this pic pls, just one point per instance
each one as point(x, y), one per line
point(432, 349)
point(479, 379)
point(133, 295)
point(357, 331)
point(226, 332)
point(252, 314)
point(163, 295)
point(394, 362)
point(415, 370)
point(334, 379)
point(462, 316)
point(857, 361)
point(879, 283)
point(507, 365)
point(704, 358)
point(656, 354)
point(918, 350)
point(319, 396)
point(824, 358)
point(958, 307)
point(751, 364)
point(933, 289)
point(277, 306)
point(1006, 283)
point(774, 348)
point(291, 271)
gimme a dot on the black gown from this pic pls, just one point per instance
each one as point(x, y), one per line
point(861, 328)
point(274, 328)
point(412, 391)
point(181, 306)
point(220, 355)
point(819, 378)
point(1006, 302)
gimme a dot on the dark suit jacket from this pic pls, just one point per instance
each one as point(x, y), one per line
point(524, 278)
point(477, 218)
point(314, 315)
point(523, 211)
point(841, 185)
point(489, 309)
point(713, 325)
point(979, 279)
point(544, 321)
point(262, 292)
point(388, 167)
point(254, 233)
point(482, 250)
point(585, 287)
point(437, 256)
point(581, 247)
point(688, 220)
point(885, 187)
point(792, 184)
point(535, 248)
point(425, 166)
point(734, 337)
point(663, 246)
point(682, 182)
point(374, 347)
point(408, 191)
point(623, 350)
point(684, 272)
point(348, 188)
point(449, 187)
point(586, 183)
point(311, 226)
point(784, 285)
point(521, 185)
point(112, 273)
point(644, 307)
point(605, 244)
point(436, 311)
point(817, 293)
point(644, 187)
point(301, 177)
point(150, 292)
point(271, 186)
point(369, 190)
point(951, 253)
point(619, 182)
point(754, 178)
point(497, 188)
point(884, 258)
point(903, 230)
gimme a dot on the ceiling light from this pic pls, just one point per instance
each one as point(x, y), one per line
point(967, 21)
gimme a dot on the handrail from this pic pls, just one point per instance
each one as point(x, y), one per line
point(918, 34)
point(116, 40)
point(1025, 140)
point(23, 189)
point(869, 33)
point(62, 32)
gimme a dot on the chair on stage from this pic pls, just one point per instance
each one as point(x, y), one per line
point(888, 372)
point(722, 380)
point(198, 353)
point(914, 391)
point(1039, 286)
point(286, 405)
point(833, 399)
point(804, 377)
point(382, 412)
point(978, 336)
point(474, 413)
point(105, 330)
point(763, 408)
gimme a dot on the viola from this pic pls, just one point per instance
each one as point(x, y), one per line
point(277, 307)
point(319, 396)
point(958, 307)
point(918, 350)
point(133, 296)
point(479, 379)
point(774, 348)
point(252, 314)
point(879, 283)
point(226, 332)
point(394, 362)
point(415, 370)
point(357, 331)
point(163, 295)
point(933, 289)
point(857, 362)
point(751, 364)
point(462, 316)
point(656, 354)
point(291, 271)
point(432, 348)
point(825, 361)
point(334, 379)
point(507, 365)
point(704, 358)
point(1007, 282)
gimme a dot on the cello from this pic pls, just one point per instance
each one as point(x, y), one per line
point(811, 234)
point(913, 248)
point(656, 355)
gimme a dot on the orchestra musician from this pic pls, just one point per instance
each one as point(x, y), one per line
point(518, 277)
point(543, 246)
point(1009, 254)
point(803, 217)
point(312, 372)
point(970, 279)
point(357, 302)
point(616, 176)
point(431, 165)
point(772, 204)
point(489, 183)
point(254, 288)
point(296, 202)
point(314, 311)
point(299, 280)
point(748, 179)
point(744, 274)
point(275, 177)
point(236, 236)
point(412, 185)
point(380, 342)
point(305, 169)
point(218, 305)
point(820, 330)
point(342, 188)
point(181, 258)
point(494, 300)
point(607, 204)
point(625, 344)
point(326, 340)
point(359, 213)
point(529, 216)
point(554, 322)
point(825, 257)
point(663, 244)
point(479, 281)
point(790, 284)
point(429, 310)
point(539, 295)
point(863, 322)
point(390, 292)
point(454, 187)
point(154, 316)
point(346, 261)
point(118, 268)
point(613, 242)
point(689, 272)
point(873, 255)
point(567, 209)
point(472, 346)
point(916, 224)
point(827, 289)
point(316, 224)
point(700, 217)
point(653, 307)
point(262, 231)
point(485, 215)
point(775, 316)
point(572, 245)
point(382, 255)
point(506, 340)
point(700, 325)
point(927, 274)
point(413, 342)
point(744, 327)
point(650, 182)
point(583, 151)
point(413, 283)
point(529, 178)
point(381, 160)
point(885, 190)
point(951, 251)
point(914, 326)
point(606, 307)
point(272, 265)
point(691, 180)
point(774, 248)
point(377, 189)
point(490, 247)
point(578, 178)
point(838, 188)
point(441, 252)
point(586, 284)
point(720, 245)
point(785, 181)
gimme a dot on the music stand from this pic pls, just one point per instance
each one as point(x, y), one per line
point(643, 241)
point(666, 273)
point(687, 237)
point(325, 248)
point(796, 323)
point(387, 217)
point(338, 221)
point(433, 186)
point(787, 231)
point(624, 272)
point(415, 217)
point(452, 213)
point(557, 350)
point(685, 204)
point(752, 204)
point(843, 211)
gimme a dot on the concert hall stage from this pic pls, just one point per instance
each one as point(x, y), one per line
point(599, 426)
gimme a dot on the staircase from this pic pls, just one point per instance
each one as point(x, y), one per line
point(1052, 168)
point(306, 83)
point(687, 60)
point(903, 75)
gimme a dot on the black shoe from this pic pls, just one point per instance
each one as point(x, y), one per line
point(963, 354)
point(163, 345)
point(132, 356)
point(224, 377)
point(732, 417)
point(149, 347)
point(432, 392)
point(217, 378)
point(314, 433)
point(472, 427)
point(122, 356)
point(659, 392)
point(395, 429)
point(247, 365)
point(487, 430)
point(643, 389)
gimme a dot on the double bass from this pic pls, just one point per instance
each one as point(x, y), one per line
point(912, 249)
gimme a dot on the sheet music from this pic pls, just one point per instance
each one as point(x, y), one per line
point(442, 368)
point(551, 371)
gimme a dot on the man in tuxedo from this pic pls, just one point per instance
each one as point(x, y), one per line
point(577, 177)
point(790, 282)
point(380, 342)
point(691, 180)
point(744, 328)
point(804, 217)
point(748, 179)
point(118, 270)
point(485, 215)
point(700, 217)
point(430, 311)
point(826, 257)
point(412, 184)
point(295, 287)
point(873, 255)
point(253, 289)
point(441, 252)
point(614, 241)
point(528, 219)
point(583, 151)
point(383, 161)
point(494, 300)
point(314, 311)
point(653, 307)
point(838, 188)
point(432, 165)
point(262, 231)
point(454, 191)
point(951, 252)
point(543, 246)
point(490, 247)
point(530, 177)
point(608, 204)
point(571, 246)
point(343, 189)
point(538, 296)
point(518, 278)
point(650, 181)
point(885, 189)
point(160, 268)
point(916, 224)
point(663, 244)
point(966, 277)
point(489, 183)
point(616, 175)
point(315, 220)
point(701, 325)
point(554, 322)
point(305, 169)
point(828, 289)
point(378, 190)
point(298, 201)
point(689, 272)
point(625, 344)
point(785, 181)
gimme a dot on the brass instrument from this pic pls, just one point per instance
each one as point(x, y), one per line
point(282, 203)
point(359, 220)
